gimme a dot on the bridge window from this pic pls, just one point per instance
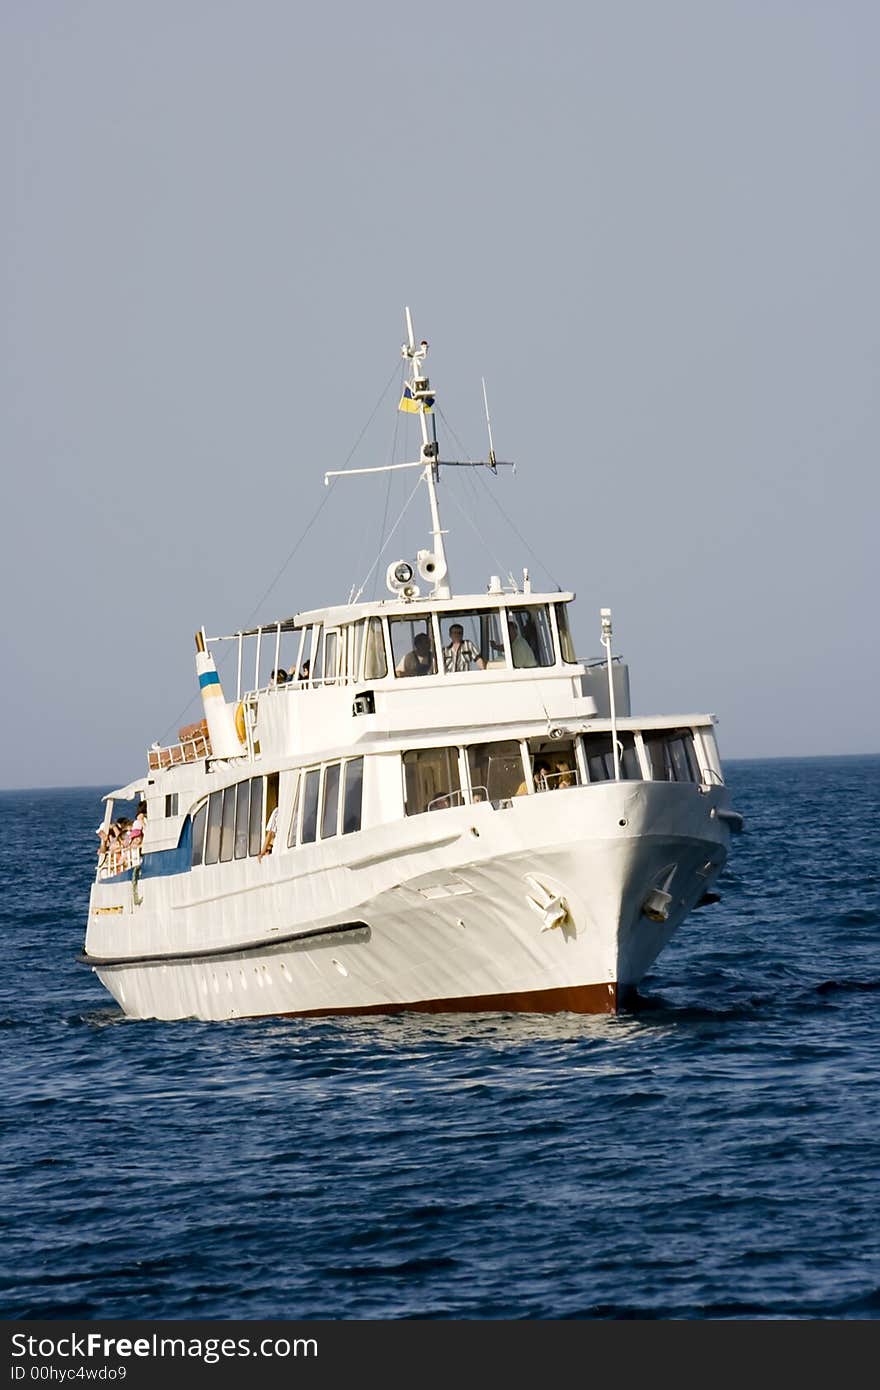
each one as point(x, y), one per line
point(530, 641)
point(566, 645)
point(355, 636)
point(375, 661)
point(412, 647)
point(431, 780)
point(331, 643)
point(471, 641)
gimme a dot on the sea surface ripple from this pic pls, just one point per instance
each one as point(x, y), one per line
point(713, 1153)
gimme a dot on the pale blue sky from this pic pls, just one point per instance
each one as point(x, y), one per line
point(652, 226)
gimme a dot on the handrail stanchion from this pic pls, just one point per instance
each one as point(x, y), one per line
point(605, 614)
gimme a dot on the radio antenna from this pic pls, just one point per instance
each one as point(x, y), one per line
point(492, 463)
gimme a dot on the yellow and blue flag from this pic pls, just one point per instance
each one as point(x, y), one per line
point(411, 405)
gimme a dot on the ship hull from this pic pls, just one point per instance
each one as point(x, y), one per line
point(559, 902)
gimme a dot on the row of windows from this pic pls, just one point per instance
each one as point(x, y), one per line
point(230, 824)
point(437, 778)
point(429, 644)
point(329, 799)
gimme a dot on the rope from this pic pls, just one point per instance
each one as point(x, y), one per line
point(478, 533)
point(403, 512)
point(537, 559)
point(390, 481)
point(221, 664)
point(324, 500)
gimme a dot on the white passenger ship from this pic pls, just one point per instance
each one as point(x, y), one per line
point(467, 817)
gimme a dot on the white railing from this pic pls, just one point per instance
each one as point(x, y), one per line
point(192, 750)
point(118, 859)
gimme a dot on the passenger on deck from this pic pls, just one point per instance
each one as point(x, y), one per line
point(540, 773)
point(564, 775)
point(279, 677)
point(304, 671)
point(271, 829)
point(136, 833)
point(420, 661)
point(461, 655)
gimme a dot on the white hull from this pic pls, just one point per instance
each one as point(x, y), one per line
point(429, 913)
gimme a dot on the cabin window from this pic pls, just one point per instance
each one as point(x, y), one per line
point(412, 647)
point(431, 780)
point(255, 823)
point(227, 825)
point(330, 809)
point(530, 641)
point(566, 645)
point(600, 759)
point(294, 812)
point(671, 755)
point(242, 815)
point(171, 804)
point(310, 807)
point(352, 796)
point(198, 840)
point(553, 764)
point(496, 770)
point(471, 641)
point(375, 662)
point(215, 818)
point(271, 794)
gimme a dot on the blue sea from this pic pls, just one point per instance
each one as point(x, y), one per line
point(713, 1153)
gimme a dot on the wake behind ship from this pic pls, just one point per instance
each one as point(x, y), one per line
point(433, 804)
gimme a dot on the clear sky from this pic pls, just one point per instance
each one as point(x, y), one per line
point(654, 229)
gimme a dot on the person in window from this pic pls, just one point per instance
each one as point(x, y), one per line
point(520, 650)
point(420, 661)
point(564, 775)
point(271, 829)
point(540, 774)
point(461, 655)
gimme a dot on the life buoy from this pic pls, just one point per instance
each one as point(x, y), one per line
point(240, 727)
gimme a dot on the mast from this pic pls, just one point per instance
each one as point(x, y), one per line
point(418, 399)
point(420, 393)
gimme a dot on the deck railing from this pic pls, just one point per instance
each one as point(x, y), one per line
point(118, 859)
point(191, 750)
